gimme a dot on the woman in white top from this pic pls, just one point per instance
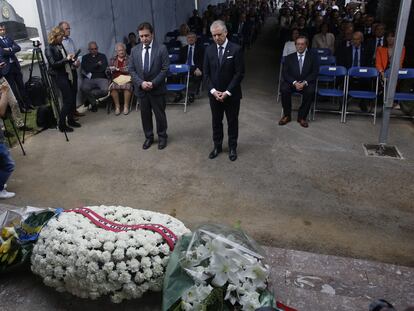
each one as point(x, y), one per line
point(290, 47)
point(324, 39)
point(184, 30)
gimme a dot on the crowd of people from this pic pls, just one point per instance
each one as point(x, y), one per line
point(353, 36)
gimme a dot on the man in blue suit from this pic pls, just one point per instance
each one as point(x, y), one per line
point(148, 67)
point(11, 69)
point(223, 71)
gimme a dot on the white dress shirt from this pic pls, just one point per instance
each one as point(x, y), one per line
point(143, 55)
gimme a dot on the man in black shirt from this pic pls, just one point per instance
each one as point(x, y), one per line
point(95, 81)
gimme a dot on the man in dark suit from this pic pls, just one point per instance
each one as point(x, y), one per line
point(300, 71)
point(377, 41)
point(223, 72)
point(148, 68)
point(11, 70)
point(193, 55)
point(357, 55)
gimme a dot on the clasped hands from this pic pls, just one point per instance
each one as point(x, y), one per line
point(300, 85)
point(146, 86)
point(220, 96)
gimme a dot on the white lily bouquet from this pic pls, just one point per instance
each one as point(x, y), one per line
point(217, 268)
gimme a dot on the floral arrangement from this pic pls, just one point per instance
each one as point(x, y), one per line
point(105, 250)
point(221, 269)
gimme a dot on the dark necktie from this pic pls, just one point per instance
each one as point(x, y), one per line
point(146, 59)
point(356, 55)
point(379, 42)
point(190, 56)
point(220, 54)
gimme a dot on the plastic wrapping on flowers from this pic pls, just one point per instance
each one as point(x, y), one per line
point(217, 268)
point(110, 251)
point(19, 230)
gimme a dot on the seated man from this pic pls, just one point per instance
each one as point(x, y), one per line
point(95, 82)
point(6, 162)
point(299, 74)
point(193, 55)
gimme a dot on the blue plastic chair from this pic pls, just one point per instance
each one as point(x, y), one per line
point(174, 50)
point(362, 73)
point(321, 52)
point(326, 61)
point(180, 70)
point(404, 73)
point(331, 72)
point(173, 44)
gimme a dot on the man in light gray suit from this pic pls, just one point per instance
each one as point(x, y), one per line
point(148, 67)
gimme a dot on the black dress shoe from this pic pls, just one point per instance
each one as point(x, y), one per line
point(73, 123)
point(178, 98)
point(65, 128)
point(147, 144)
point(25, 128)
point(213, 154)
point(233, 155)
point(191, 98)
point(162, 144)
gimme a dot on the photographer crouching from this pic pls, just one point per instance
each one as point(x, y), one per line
point(62, 73)
point(6, 161)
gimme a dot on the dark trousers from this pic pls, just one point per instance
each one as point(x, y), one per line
point(231, 108)
point(15, 79)
point(74, 89)
point(153, 103)
point(307, 93)
point(68, 90)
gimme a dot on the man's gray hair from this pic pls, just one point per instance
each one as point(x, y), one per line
point(218, 24)
point(92, 43)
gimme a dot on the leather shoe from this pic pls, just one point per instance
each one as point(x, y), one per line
point(147, 144)
point(78, 114)
point(73, 123)
point(65, 128)
point(233, 155)
point(303, 123)
point(178, 98)
point(285, 120)
point(213, 154)
point(162, 143)
point(191, 98)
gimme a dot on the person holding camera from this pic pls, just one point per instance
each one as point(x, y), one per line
point(60, 68)
point(6, 162)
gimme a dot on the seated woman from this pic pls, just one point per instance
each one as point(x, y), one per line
point(64, 76)
point(132, 41)
point(383, 55)
point(324, 39)
point(290, 46)
point(121, 80)
point(184, 30)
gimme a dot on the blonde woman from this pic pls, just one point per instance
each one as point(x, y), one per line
point(62, 73)
point(121, 79)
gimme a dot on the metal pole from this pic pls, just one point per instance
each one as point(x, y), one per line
point(400, 31)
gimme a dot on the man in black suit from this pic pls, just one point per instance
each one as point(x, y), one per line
point(299, 74)
point(357, 55)
point(378, 39)
point(223, 71)
point(11, 69)
point(148, 67)
point(192, 54)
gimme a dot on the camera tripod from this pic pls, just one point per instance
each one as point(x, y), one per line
point(46, 80)
point(6, 130)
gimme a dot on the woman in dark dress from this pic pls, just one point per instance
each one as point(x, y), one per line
point(61, 71)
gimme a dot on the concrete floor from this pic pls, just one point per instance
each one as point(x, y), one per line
point(305, 189)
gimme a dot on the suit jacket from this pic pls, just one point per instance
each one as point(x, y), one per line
point(198, 55)
point(291, 72)
point(229, 75)
point(159, 64)
point(56, 60)
point(345, 58)
point(6, 56)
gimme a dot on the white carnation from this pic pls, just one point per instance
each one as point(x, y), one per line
point(74, 255)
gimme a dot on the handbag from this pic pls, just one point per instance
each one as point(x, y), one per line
point(123, 79)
